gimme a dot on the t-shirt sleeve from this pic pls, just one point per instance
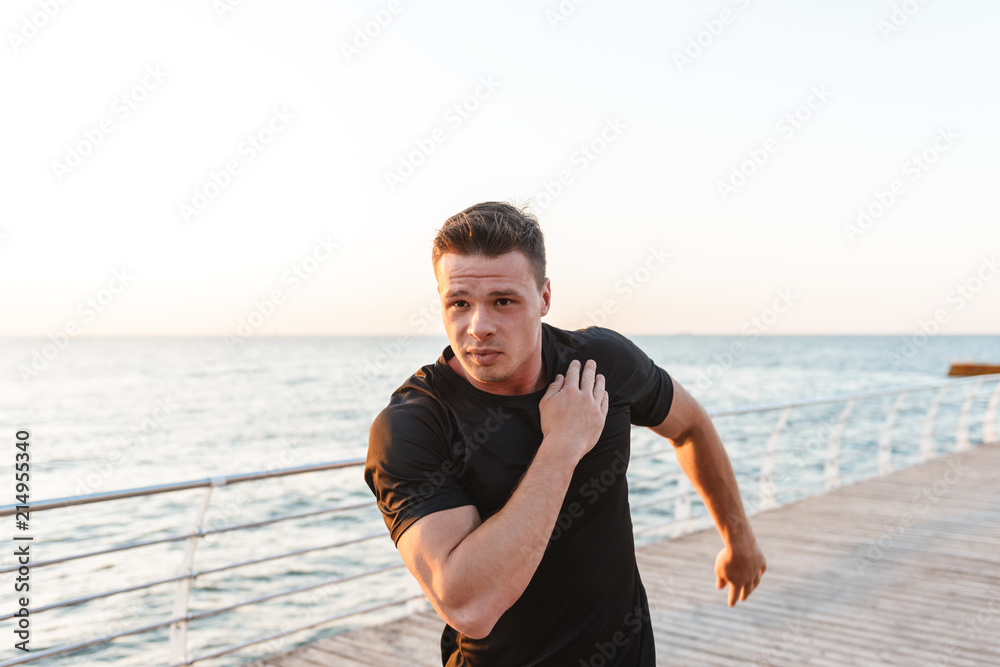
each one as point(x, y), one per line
point(410, 467)
point(649, 389)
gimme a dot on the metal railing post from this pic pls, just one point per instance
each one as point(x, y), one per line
point(182, 596)
point(885, 438)
point(768, 490)
point(927, 434)
point(831, 466)
point(682, 503)
point(962, 433)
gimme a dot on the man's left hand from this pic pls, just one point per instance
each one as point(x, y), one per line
point(741, 567)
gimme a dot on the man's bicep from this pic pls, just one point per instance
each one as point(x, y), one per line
point(685, 412)
point(427, 543)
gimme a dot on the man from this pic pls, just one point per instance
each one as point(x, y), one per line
point(499, 470)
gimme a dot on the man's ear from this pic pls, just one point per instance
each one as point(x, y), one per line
point(546, 296)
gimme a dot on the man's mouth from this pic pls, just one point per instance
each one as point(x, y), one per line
point(484, 357)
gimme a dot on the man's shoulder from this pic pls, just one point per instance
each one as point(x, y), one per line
point(421, 392)
point(625, 365)
point(591, 340)
point(415, 407)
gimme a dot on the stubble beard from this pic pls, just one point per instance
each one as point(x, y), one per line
point(489, 374)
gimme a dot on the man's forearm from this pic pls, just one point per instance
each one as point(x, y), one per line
point(703, 459)
point(492, 566)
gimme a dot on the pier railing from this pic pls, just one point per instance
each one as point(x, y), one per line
point(780, 452)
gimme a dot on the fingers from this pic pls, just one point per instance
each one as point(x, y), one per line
point(719, 581)
point(749, 588)
point(583, 376)
point(588, 380)
point(587, 376)
point(599, 387)
point(732, 594)
point(556, 386)
point(573, 374)
point(745, 590)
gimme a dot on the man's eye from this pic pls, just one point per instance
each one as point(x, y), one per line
point(459, 304)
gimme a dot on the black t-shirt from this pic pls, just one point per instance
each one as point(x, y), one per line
point(442, 443)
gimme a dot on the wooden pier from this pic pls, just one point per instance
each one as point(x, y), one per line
point(898, 570)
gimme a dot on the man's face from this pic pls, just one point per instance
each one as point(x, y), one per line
point(492, 311)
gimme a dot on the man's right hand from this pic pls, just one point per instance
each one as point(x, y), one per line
point(574, 409)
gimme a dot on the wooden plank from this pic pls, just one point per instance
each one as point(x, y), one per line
point(313, 656)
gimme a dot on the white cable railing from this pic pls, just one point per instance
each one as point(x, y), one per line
point(816, 443)
point(819, 444)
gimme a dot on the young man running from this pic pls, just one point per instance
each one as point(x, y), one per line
point(500, 469)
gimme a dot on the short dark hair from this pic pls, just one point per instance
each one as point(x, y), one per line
point(492, 229)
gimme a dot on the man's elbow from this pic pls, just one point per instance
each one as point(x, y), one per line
point(473, 620)
point(473, 611)
point(477, 628)
point(677, 434)
point(689, 428)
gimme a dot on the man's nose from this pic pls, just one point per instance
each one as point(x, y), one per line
point(480, 326)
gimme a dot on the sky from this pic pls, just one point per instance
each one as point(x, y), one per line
point(226, 168)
